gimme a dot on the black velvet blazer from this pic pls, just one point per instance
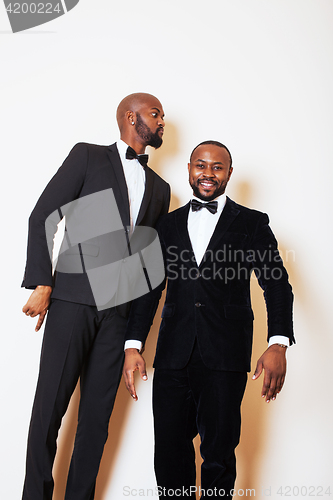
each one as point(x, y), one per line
point(87, 169)
point(212, 302)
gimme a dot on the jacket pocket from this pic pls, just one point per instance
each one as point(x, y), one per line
point(240, 313)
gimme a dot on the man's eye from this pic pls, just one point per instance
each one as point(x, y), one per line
point(200, 165)
point(154, 115)
point(217, 168)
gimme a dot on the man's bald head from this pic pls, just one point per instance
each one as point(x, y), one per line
point(134, 103)
point(140, 119)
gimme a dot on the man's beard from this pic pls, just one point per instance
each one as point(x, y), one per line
point(220, 190)
point(150, 139)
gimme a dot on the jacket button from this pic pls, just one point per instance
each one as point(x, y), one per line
point(197, 304)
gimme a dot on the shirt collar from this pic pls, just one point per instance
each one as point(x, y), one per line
point(122, 148)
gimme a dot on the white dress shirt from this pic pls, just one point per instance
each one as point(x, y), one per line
point(135, 179)
point(201, 226)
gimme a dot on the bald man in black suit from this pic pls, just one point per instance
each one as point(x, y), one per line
point(80, 340)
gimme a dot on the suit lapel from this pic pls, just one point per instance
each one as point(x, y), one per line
point(228, 215)
point(121, 194)
point(147, 194)
point(182, 229)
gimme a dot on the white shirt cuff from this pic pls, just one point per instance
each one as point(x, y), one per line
point(279, 339)
point(133, 344)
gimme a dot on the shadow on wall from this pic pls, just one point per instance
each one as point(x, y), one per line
point(122, 407)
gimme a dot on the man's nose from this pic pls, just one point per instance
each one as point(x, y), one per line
point(161, 122)
point(209, 172)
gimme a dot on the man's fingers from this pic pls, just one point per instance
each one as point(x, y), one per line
point(266, 386)
point(279, 386)
point(129, 381)
point(28, 310)
point(38, 302)
point(271, 391)
point(281, 383)
point(142, 369)
point(131, 387)
point(258, 370)
point(40, 320)
point(276, 387)
point(271, 387)
point(273, 363)
point(133, 362)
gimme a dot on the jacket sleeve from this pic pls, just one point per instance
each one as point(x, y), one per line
point(273, 279)
point(142, 315)
point(143, 309)
point(63, 188)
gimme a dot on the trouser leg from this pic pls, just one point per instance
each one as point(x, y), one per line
point(175, 429)
point(197, 399)
point(67, 338)
point(218, 395)
point(99, 383)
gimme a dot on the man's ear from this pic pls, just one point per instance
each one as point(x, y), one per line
point(188, 167)
point(130, 117)
point(230, 172)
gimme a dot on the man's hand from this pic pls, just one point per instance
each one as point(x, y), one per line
point(38, 304)
point(133, 362)
point(274, 364)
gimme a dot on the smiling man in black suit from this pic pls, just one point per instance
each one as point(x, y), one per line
point(211, 246)
point(80, 339)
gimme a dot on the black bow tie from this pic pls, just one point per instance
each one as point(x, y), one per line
point(131, 155)
point(197, 205)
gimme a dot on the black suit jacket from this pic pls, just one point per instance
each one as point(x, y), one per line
point(212, 302)
point(88, 169)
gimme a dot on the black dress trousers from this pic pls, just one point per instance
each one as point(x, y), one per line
point(189, 401)
point(79, 341)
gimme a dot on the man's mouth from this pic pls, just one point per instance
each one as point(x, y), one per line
point(160, 131)
point(207, 184)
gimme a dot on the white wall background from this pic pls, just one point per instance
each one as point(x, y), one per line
point(254, 74)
